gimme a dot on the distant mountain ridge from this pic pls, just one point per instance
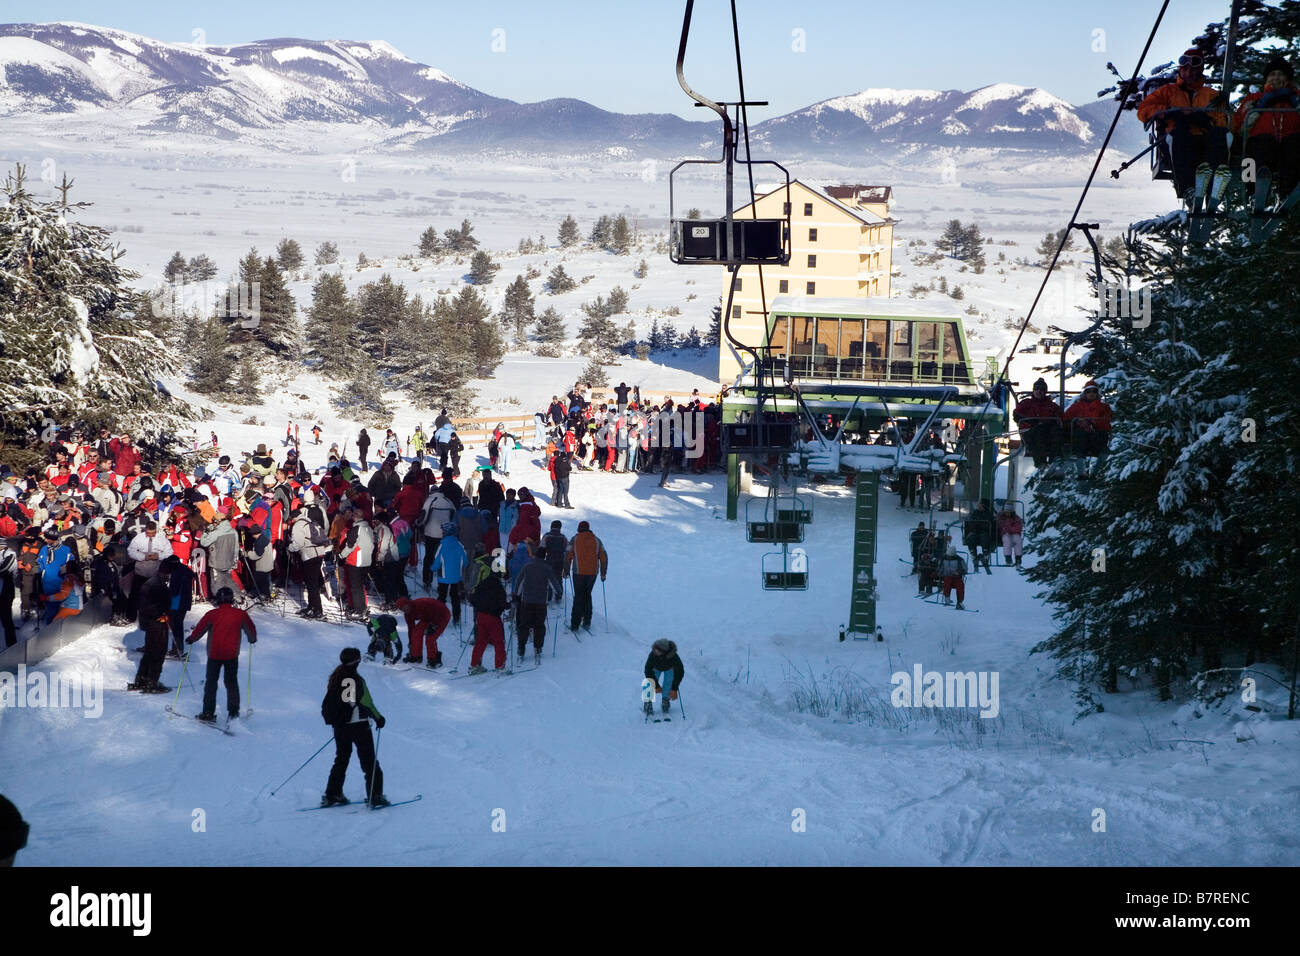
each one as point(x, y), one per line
point(268, 88)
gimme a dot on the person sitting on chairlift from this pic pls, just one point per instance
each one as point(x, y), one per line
point(1195, 134)
point(1270, 123)
point(1088, 420)
point(1039, 420)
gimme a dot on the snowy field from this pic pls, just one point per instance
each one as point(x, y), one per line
point(562, 755)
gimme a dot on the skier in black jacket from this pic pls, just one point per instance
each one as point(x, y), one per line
point(347, 708)
point(665, 668)
point(363, 445)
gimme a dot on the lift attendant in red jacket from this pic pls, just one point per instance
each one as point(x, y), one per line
point(223, 626)
point(424, 617)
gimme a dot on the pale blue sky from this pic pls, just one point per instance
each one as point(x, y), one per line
point(619, 54)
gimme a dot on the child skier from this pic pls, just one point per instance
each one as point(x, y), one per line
point(665, 668)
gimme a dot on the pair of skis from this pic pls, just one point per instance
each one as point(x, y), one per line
point(1211, 184)
point(362, 805)
point(648, 697)
point(224, 728)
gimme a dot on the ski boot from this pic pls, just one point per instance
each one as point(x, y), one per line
point(436, 661)
point(379, 800)
point(648, 707)
point(960, 606)
point(665, 704)
point(477, 669)
point(537, 658)
point(329, 800)
point(207, 717)
point(156, 688)
point(1017, 560)
point(412, 659)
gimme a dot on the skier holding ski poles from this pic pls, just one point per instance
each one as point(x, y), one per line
point(347, 708)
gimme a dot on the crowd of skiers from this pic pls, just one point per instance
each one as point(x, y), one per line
point(626, 435)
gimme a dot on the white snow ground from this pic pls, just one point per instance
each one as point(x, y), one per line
point(565, 754)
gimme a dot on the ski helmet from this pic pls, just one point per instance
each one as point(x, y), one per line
point(349, 655)
point(225, 596)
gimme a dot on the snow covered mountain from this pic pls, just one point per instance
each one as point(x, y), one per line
point(271, 89)
point(1000, 116)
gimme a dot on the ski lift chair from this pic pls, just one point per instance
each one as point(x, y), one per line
point(785, 570)
point(767, 528)
point(727, 241)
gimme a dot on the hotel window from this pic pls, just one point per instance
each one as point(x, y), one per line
point(735, 283)
point(735, 311)
point(807, 209)
point(812, 235)
point(785, 209)
point(812, 288)
point(812, 262)
point(784, 286)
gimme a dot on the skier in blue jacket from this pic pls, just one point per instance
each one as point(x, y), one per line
point(449, 564)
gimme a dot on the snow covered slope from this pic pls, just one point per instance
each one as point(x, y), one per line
point(565, 754)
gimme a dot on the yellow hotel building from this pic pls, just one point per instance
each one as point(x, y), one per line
point(841, 246)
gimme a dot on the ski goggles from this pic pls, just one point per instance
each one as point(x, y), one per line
point(1191, 61)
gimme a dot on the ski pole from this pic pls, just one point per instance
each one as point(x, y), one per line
point(463, 645)
point(374, 768)
point(304, 763)
point(250, 676)
point(605, 601)
point(680, 705)
point(176, 699)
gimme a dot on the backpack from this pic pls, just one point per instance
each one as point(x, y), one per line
point(333, 709)
point(317, 535)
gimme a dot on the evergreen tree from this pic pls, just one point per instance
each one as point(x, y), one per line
point(559, 281)
point(274, 325)
point(518, 308)
point(714, 336)
point(363, 396)
point(656, 340)
point(331, 326)
point(200, 269)
point(452, 362)
point(692, 213)
point(482, 269)
point(430, 242)
point(74, 337)
point(668, 335)
point(602, 232)
point(598, 332)
point(214, 360)
point(569, 235)
point(380, 308)
point(174, 271)
point(549, 332)
point(973, 248)
point(1198, 428)
point(472, 317)
point(691, 340)
point(327, 253)
point(1047, 248)
point(957, 293)
point(952, 241)
point(462, 239)
point(250, 267)
point(362, 261)
point(620, 237)
point(288, 255)
point(642, 270)
point(593, 373)
point(247, 386)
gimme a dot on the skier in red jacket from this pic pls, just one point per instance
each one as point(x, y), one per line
point(1088, 421)
point(424, 617)
point(223, 626)
point(1039, 419)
